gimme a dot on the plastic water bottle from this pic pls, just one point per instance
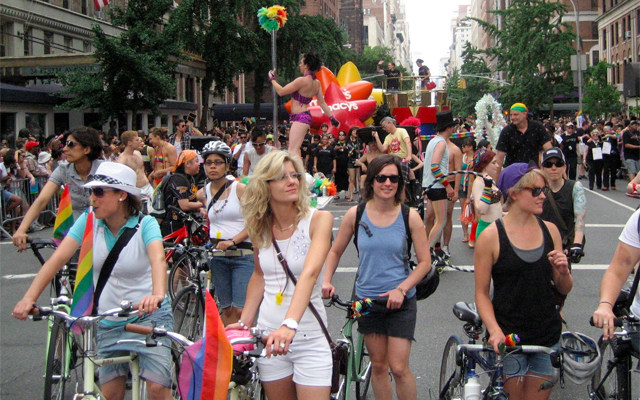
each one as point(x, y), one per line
point(472, 388)
point(314, 199)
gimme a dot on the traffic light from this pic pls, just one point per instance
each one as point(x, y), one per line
point(462, 84)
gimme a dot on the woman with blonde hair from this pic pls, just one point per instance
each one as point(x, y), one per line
point(282, 226)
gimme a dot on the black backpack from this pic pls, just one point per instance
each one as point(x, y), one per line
point(430, 282)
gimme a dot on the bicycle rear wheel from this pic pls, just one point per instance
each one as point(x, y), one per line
point(617, 386)
point(57, 368)
point(188, 313)
point(182, 274)
point(450, 372)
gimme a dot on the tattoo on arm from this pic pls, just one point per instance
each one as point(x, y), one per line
point(579, 206)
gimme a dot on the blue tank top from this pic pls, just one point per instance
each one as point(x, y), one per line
point(382, 265)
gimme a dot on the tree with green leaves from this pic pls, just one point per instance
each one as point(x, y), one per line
point(533, 46)
point(368, 61)
point(463, 101)
point(600, 98)
point(136, 68)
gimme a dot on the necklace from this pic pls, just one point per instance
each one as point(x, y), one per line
point(284, 229)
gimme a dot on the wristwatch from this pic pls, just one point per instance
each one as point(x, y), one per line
point(291, 324)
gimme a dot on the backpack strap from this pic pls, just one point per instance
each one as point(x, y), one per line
point(356, 227)
point(405, 209)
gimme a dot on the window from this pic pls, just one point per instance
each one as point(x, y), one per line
point(68, 44)
point(366, 36)
point(35, 123)
point(624, 29)
point(48, 42)
point(595, 57)
point(3, 39)
point(604, 6)
point(604, 39)
point(189, 90)
point(86, 46)
point(594, 30)
point(65, 3)
point(84, 8)
point(8, 127)
point(28, 43)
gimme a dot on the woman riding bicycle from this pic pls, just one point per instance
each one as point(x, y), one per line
point(83, 149)
point(230, 270)
point(276, 208)
point(139, 275)
point(389, 327)
point(523, 256)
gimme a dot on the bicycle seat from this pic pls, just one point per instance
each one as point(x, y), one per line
point(467, 312)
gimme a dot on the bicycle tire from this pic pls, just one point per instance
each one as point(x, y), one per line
point(188, 313)
point(56, 371)
point(617, 386)
point(450, 373)
point(362, 385)
point(181, 275)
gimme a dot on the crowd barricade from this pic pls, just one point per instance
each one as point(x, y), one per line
point(22, 188)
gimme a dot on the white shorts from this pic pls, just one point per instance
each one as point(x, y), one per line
point(309, 361)
point(146, 192)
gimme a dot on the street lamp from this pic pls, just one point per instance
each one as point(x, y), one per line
point(578, 50)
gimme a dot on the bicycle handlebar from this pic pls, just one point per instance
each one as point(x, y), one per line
point(617, 322)
point(126, 309)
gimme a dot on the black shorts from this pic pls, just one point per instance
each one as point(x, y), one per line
point(399, 323)
point(437, 194)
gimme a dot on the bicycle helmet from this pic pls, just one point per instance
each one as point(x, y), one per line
point(581, 357)
point(216, 147)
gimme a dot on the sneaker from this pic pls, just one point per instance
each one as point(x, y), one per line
point(605, 189)
point(445, 253)
point(613, 188)
point(35, 226)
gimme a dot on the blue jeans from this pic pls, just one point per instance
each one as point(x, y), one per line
point(231, 275)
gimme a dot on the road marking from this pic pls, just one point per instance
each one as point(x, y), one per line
point(611, 200)
point(20, 276)
point(573, 267)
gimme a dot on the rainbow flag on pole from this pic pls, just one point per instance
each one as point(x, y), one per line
point(83, 293)
point(64, 219)
point(207, 364)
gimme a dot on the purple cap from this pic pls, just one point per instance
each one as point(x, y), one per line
point(510, 176)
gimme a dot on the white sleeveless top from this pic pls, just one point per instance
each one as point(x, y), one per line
point(295, 251)
point(225, 216)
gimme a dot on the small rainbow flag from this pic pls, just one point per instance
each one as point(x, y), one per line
point(64, 219)
point(83, 293)
point(207, 364)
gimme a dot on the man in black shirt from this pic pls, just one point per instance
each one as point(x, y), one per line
point(521, 140)
point(424, 73)
point(570, 143)
point(631, 143)
point(393, 83)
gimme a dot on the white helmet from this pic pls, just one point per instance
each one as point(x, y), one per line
point(581, 357)
point(217, 147)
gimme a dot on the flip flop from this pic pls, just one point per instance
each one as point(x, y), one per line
point(465, 240)
point(350, 200)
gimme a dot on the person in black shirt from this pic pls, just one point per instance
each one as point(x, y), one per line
point(631, 142)
point(180, 191)
point(393, 83)
point(522, 140)
point(570, 142)
point(325, 158)
point(424, 73)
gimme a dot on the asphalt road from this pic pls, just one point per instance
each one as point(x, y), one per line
point(22, 344)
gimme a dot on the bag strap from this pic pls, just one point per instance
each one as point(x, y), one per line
point(110, 262)
point(291, 276)
point(556, 211)
point(218, 194)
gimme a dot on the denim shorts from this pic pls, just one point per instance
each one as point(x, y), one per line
point(520, 364)
point(155, 362)
point(231, 275)
point(632, 166)
point(6, 196)
point(381, 320)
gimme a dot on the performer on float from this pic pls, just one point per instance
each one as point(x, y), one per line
point(302, 90)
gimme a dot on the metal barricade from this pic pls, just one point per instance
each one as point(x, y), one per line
point(48, 215)
point(22, 188)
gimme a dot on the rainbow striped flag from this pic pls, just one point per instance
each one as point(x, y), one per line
point(64, 219)
point(207, 364)
point(83, 294)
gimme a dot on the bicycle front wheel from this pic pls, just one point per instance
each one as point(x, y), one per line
point(364, 373)
point(617, 385)
point(182, 274)
point(450, 372)
point(188, 313)
point(56, 372)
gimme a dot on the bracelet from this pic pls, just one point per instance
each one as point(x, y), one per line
point(242, 325)
point(272, 78)
point(402, 291)
point(605, 302)
point(234, 242)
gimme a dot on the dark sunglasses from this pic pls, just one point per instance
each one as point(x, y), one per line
point(549, 164)
point(535, 191)
point(242, 137)
point(259, 144)
point(383, 178)
point(99, 191)
point(71, 144)
point(217, 163)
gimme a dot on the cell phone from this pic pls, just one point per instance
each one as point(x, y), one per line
point(191, 117)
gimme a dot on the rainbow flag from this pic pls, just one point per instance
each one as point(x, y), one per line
point(83, 293)
point(207, 364)
point(64, 219)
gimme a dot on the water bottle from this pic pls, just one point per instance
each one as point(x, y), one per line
point(314, 199)
point(324, 191)
point(472, 388)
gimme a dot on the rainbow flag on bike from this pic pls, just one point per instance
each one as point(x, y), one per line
point(207, 364)
point(83, 294)
point(64, 218)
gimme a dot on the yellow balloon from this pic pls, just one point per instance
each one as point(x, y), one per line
point(378, 95)
point(368, 122)
point(348, 74)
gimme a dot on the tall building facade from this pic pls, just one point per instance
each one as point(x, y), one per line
point(352, 21)
point(460, 35)
point(385, 25)
point(325, 8)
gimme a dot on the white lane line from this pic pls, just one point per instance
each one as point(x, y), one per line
point(573, 267)
point(611, 200)
point(616, 226)
point(20, 276)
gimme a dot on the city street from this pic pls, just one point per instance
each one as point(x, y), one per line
point(22, 343)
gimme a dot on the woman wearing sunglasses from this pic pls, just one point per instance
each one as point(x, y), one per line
point(487, 198)
point(278, 216)
point(382, 276)
point(523, 256)
point(139, 275)
point(83, 149)
point(259, 149)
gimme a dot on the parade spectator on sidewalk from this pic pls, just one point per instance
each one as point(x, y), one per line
point(570, 143)
point(522, 140)
point(631, 142)
point(593, 161)
point(611, 159)
point(163, 155)
point(181, 139)
point(259, 149)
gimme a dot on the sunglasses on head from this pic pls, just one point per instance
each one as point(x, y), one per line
point(99, 191)
point(535, 191)
point(71, 144)
point(549, 164)
point(383, 178)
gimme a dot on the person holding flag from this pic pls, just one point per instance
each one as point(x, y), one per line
point(138, 274)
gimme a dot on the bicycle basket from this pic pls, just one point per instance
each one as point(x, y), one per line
point(581, 357)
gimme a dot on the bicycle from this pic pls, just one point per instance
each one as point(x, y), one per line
point(358, 364)
point(459, 361)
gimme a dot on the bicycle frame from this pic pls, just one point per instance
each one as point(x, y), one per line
point(353, 362)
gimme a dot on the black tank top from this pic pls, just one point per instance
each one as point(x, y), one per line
point(523, 301)
point(564, 201)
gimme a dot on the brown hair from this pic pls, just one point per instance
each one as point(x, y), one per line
point(375, 166)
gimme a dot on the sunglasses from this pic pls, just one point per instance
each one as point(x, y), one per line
point(99, 191)
point(535, 191)
point(217, 163)
point(549, 164)
point(71, 144)
point(383, 178)
point(259, 144)
point(242, 137)
point(293, 175)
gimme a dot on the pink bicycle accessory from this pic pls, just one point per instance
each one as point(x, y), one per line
point(240, 333)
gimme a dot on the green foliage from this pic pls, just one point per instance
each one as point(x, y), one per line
point(367, 62)
point(136, 71)
point(463, 101)
point(600, 98)
point(533, 47)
